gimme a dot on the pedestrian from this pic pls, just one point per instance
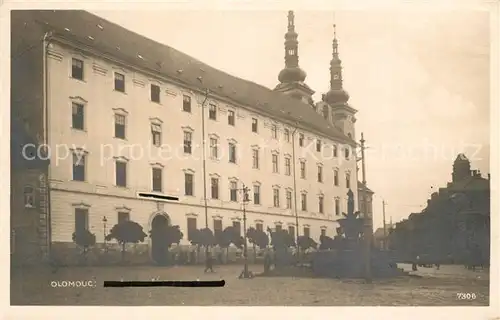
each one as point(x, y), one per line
point(209, 262)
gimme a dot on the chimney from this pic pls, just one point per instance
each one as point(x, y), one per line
point(449, 185)
point(488, 176)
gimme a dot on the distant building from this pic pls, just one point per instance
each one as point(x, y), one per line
point(455, 223)
point(29, 240)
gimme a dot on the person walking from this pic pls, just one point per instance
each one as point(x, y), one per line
point(209, 262)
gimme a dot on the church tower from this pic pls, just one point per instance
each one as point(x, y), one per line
point(461, 168)
point(335, 100)
point(292, 78)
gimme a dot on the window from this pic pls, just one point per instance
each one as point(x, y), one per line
point(288, 166)
point(301, 140)
point(155, 93)
point(78, 167)
point(259, 226)
point(255, 124)
point(119, 82)
point(191, 227)
point(156, 134)
point(237, 226)
point(291, 231)
point(157, 181)
point(348, 180)
point(320, 174)
point(307, 232)
point(230, 117)
point(81, 219)
point(121, 173)
point(274, 131)
point(255, 159)
point(278, 227)
point(323, 232)
point(77, 69)
point(186, 103)
point(321, 208)
point(337, 207)
point(78, 116)
point(120, 126)
point(212, 112)
point(335, 177)
point(256, 194)
point(188, 184)
point(286, 133)
point(289, 199)
point(318, 145)
point(218, 226)
point(335, 151)
point(303, 200)
point(29, 197)
point(276, 198)
point(346, 153)
point(123, 216)
point(325, 112)
point(214, 148)
point(275, 163)
point(233, 191)
point(232, 152)
point(188, 136)
point(215, 188)
point(303, 169)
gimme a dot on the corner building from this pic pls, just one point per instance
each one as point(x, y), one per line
point(122, 115)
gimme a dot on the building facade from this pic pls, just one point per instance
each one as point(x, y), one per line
point(123, 115)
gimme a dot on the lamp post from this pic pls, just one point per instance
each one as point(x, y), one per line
point(295, 189)
point(104, 221)
point(367, 219)
point(245, 274)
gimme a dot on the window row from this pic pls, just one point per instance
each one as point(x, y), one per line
point(77, 72)
point(79, 173)
point(82, 224)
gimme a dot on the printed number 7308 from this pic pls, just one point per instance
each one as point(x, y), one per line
point(466, 295)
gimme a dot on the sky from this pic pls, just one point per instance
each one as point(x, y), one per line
point(419, 80)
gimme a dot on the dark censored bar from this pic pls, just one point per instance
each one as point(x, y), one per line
point(157, 196)
point(149, 284)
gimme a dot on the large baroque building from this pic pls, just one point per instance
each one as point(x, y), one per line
point(123, 115)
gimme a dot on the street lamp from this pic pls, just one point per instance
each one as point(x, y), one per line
point(104, 221)
point(245, 274)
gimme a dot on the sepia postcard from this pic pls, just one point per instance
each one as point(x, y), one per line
point(251, 154)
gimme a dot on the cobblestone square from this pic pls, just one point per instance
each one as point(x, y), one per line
point(32, 287)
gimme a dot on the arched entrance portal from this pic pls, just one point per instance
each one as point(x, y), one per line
point(159, 249)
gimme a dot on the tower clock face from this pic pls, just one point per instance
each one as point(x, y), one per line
point(335, 76)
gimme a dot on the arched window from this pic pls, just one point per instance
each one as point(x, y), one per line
point(29, 197)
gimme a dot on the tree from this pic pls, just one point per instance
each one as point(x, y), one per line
point(228, 236)
point(326, 243)
point(165, 235)
point(202, 238)
point(85, 240)
point(257, 238)
point(126, 232)
point(305, 242)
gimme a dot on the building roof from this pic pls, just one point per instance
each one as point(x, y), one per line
point(92, 32)
point(360, 187)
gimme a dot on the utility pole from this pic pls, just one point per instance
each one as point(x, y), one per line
point(385, 231)
point(367, 218)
